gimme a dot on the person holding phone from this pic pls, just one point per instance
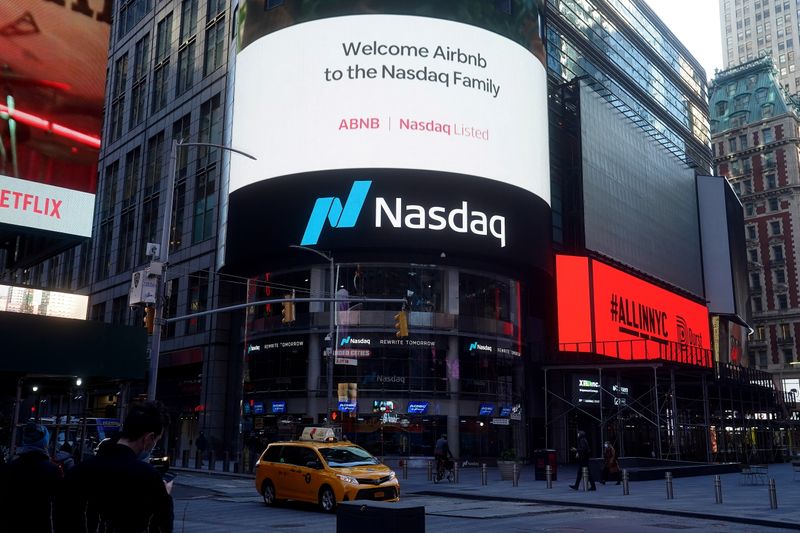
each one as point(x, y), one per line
point(117, 489)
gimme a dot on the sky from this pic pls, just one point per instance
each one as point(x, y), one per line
point(696, 24)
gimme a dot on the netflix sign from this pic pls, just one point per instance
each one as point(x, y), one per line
point(605, 311)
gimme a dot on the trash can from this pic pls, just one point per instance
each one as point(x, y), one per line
point(542, 458)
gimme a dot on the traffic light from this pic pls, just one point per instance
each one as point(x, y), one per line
point(149, 319)
point(401, 324)
point(287, 313)
point(334, 416)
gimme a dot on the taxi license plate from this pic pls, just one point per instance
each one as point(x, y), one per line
point(379, 494)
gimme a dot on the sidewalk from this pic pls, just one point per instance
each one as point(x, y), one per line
point(693, 496)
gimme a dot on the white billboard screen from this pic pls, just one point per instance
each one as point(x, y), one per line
point(390, 91)
point(31, 301)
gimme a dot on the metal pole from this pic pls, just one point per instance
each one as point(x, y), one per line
point(332, 342)
point(548, 472)
point(455, 472)
point(515, 475)
point(706, 419)
point(676, 440)
point(717, 489)
point(430, 470)
point(626, 487)
point(773, 495)
point(484, 477)
point(163, 256)
point(405, 468)
point(658, 412)
point(546, 422)
point(15, 420)
point(585, 478)
point(668, 477)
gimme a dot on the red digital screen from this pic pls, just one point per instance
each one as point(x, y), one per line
point(629, 318)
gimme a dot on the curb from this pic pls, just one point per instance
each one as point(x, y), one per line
point(645, 510)
point(212, 472)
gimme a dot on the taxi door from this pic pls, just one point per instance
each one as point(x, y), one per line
point(309, 475)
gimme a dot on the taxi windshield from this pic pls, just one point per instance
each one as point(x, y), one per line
point(346, 456)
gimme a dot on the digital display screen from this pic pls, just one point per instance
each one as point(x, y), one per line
point(246, 408)
point(258, 408)
point(348, 407)
point(505, 410)
point(417, 408)
point(486, 409)
point(279, 406)
point(381, 406)
point(14, 299)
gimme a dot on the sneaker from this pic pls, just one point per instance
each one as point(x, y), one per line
point(573, 487)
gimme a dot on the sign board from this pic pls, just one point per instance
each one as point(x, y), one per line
point(279, 406)
point(417, 408)
point(486, 409)
point(143, 288)
point(501, 421)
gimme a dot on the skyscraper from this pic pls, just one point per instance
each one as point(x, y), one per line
point(754, 28)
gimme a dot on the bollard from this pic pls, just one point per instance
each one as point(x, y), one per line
point(226, 462)
point(773, 495)
point(515, 475)
point(185, 459)
point(211, 463)
point(585, 478)
point(548, 472)
point(626, 487)
point(484, 477)
point(668, 477)
point(455, 472)
point(405, 469)
point(717, 489)
point(198, 460)
point(430, 470)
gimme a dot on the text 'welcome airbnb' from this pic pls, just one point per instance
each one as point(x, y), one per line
point(45, 207)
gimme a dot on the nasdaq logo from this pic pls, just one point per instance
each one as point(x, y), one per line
point(337, 215)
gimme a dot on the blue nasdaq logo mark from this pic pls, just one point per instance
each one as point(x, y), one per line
point(338, 216)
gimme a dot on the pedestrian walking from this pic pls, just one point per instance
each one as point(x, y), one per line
point(582, 453)
point(64, 459)
point(29, 485)
point(610, 464)
point(117, 490)
point(201, 443)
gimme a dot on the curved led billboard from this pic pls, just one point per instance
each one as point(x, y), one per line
point(415, 98)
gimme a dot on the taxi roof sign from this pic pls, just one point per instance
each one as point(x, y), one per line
point(318, 434)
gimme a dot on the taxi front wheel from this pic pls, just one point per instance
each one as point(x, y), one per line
point(327, 499)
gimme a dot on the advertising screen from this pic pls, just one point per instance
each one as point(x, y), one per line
point(44, 303)
point(609, 312)
point(417, 408)
point(505, 410)
point(348, 407)
point(258, 408)
point(54, 57)
point(382, 406)
point(366, 116)
point(279, 406)
point(486, 409)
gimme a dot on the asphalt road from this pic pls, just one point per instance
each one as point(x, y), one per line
point(212, 504)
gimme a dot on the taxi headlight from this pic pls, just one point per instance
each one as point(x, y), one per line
point(347, 479)
point(392, 475)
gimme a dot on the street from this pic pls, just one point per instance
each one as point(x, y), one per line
point(206, 503)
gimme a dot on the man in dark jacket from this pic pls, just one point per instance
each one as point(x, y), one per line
point(117, 490)
point(583, 452)
point(29, 485)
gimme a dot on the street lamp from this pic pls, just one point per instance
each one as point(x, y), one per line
point(331, 340)
point(163, 256)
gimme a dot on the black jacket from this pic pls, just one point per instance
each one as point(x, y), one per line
point(114, 492)
point(583, 451)
point(28, 487)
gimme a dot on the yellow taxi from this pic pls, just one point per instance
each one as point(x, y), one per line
point(319, 469)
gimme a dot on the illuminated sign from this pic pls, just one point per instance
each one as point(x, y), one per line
point(486, 409)
point(587, 391)
point(35, 205)
point(417, 408)
point(258, 408)
point(44, 303)
point(505, 410)
point(279, 406)
point(382, 406)
point(606, 311)
point(346, 84)
point(348, 407)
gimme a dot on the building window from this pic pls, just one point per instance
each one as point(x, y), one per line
point(749, 210)
point(777, 252)
point(775, 227)
point(780, 276)
point(722, 108)
point(770, 180)
point(130, 13)
point(119, 310)
point(788, 355)
point(98, 313)
point(767, 137)
point(747, 185)
point(180, 130)
point(126, 241)
point(149, 225)
point(783, 302)
point(732, 144)
point(755, 281)
point(751, 232)
point(752, 253)
point(766, 112)
point(186, 47)
point(215, 43)
point(118, 98)
point(104, 249)
point(757, 304)
point(109, 199)
point(197, 302)
point(742, 142)
point(132, 162)
point(785, 331)
point(161, 69)
point(155, 165)
point(773, 204)
point(205, 199)
point(172, 307)
point(762, 359)
point(139, 90)
point(741, 102)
